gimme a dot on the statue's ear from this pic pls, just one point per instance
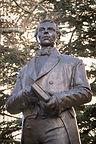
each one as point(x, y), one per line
point(36, 32)
point(36, 35)
point(58, 34)
point(38, 40)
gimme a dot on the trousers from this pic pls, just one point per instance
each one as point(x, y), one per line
point(44, 131)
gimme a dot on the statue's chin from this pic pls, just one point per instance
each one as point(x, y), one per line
point(47, 43)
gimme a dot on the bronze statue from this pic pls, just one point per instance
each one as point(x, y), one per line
point(47, 89)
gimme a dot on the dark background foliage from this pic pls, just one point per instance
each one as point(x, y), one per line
point(19, 18)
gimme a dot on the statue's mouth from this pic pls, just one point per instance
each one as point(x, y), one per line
point(46, 38)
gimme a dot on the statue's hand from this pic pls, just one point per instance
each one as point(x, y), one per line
point(30, 96)
point(53, 102)
point(52, 106)
point(27, 90)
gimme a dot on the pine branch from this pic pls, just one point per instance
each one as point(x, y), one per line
point(20, 30)
point(21, 7)
point(29, 15)
point(9, 30)
point(71, 36)
point(9, 115)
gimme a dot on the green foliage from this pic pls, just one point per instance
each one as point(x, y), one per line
point(11, 62)
point(81, 16)
point(86, 117)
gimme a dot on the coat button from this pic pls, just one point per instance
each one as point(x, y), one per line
point(50, 82)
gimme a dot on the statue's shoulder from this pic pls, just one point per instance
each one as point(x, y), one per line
point(70, 59)
point(22, 71)
point(28, 64)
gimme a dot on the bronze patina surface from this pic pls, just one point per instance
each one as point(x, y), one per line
point(47, 89)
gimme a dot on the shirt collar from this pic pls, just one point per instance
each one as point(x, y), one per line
point(47, 51)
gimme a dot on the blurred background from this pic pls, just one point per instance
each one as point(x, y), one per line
point(76, 20)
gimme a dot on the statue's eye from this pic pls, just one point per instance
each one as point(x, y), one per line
point(41, 29)
point(51, 29)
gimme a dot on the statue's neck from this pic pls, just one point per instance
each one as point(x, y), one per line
point(46, 48)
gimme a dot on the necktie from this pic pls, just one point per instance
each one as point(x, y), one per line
point(43, 52)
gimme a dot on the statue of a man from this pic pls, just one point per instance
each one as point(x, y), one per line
point(47, 89)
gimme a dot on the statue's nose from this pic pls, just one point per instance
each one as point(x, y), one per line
point(46, 31)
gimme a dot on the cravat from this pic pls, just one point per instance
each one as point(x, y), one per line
point(43, 52)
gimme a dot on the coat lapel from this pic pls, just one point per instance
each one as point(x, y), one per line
point(52, 61)
point(49, 65)
point(32, 69)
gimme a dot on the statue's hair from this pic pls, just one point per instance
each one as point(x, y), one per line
point(50, 21)
point(47, 20)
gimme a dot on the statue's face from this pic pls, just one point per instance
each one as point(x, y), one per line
point(47, 34)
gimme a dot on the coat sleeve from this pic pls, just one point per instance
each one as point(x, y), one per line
point(16, 102)
point(80, 93)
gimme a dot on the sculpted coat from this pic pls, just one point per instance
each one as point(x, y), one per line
point(62, 74)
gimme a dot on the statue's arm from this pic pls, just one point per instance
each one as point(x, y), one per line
point(78, 95)
point(15, 102)
point(20, 98)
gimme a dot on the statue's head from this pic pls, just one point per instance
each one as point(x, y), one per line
point(47, 33)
